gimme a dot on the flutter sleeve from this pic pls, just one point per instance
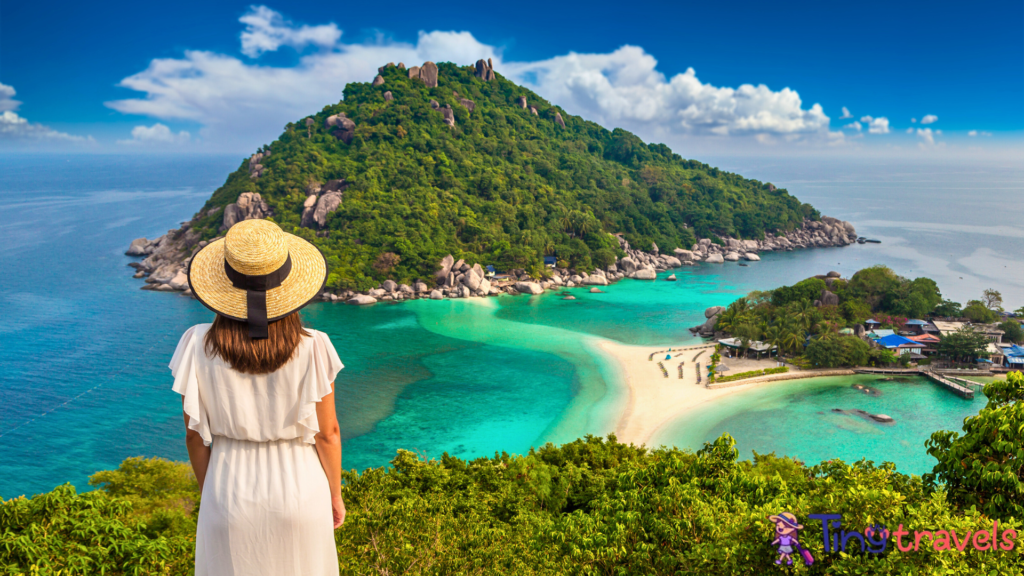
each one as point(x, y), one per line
point(323, 368)
point(183, 369)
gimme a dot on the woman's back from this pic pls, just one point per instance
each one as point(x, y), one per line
point(281, 405)
point(258, 398)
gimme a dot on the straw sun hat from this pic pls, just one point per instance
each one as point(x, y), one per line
point(257, 274)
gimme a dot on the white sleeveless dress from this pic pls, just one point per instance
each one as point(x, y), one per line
point(266, 504)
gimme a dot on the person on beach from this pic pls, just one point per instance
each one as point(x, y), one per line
point(258, 398)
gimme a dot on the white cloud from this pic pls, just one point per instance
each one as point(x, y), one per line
point(156, 134)
point(913, 120)
point(878, 125)
point(624, 88)
point(866, 119)
point(266, 31)
point(928, 119)
point(853, 126)
point(846, 114)
point(910, 130)
point(7, 101)
point(974, 133)
point(927, 137)
point(14, 127)
point(241, 104)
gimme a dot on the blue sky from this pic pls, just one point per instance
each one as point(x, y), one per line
point(225, 76)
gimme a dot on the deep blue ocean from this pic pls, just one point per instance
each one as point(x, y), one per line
point(83, 352)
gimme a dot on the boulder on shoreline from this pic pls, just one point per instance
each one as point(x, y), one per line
point(138, 247)
point(528, 288)
point(713, 311)
point(715, 259)
point(361, 299)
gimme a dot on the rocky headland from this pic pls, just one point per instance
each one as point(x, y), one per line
point(166, 259)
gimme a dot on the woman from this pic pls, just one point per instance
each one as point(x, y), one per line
point(258, 397)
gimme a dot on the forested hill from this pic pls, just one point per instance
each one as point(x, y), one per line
point(484, 170)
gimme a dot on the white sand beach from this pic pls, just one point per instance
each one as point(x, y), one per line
point(655, 401)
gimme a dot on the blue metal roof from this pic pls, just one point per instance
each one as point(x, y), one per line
point(882, 333)
point(872, 321)
point(894, 340)
point(916, 323)
point(490, 268)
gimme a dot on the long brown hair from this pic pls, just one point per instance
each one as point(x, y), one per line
point(230, 340)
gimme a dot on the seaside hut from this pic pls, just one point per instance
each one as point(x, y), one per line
point(871, 324)
point(917, 327)
point(489, 271)
point(550, 261)
point(756, 347)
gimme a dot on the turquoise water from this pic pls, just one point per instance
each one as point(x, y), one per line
point(797, 419)
point(83, 352)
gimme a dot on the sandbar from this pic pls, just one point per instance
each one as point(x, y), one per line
point(654, 401)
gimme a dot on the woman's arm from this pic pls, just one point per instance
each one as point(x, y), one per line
point(198, 453)
point(328, 448)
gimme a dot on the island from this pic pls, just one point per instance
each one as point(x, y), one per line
point(423, 181)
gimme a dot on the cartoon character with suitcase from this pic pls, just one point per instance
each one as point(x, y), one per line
point(786, 528)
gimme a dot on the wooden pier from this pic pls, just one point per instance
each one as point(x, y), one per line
point(948, 382)
point(958, 389)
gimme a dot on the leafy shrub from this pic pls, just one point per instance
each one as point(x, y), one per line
point(589, 507)
point(984, 467)
point(753, 373)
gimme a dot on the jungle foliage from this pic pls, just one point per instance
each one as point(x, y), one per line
point(504, 187)
point(788, 317)
point(590, 507)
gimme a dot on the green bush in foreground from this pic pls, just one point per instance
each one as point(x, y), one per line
point(592, 506)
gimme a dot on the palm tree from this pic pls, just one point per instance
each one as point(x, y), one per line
point(773, 336)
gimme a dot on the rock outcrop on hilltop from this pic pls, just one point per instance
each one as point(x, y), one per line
point(485, 70)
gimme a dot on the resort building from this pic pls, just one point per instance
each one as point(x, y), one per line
point(929, 341)
point(947, 328)
point(756, 347)
point(900, 346)
point(918, 327)
point(991, 331)
point(1013, 356)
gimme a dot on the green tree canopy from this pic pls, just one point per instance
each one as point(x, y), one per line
point(966, 344)
point(1012, 331)
point(976, 311)
point(984, 467)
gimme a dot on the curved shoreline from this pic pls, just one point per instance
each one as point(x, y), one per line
point(655, 402)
